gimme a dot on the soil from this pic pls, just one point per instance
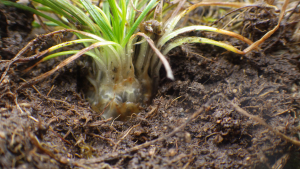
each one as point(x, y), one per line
point(192, 122)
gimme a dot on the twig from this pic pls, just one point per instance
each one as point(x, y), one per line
point(280, 163)
point(50, 90)
point(104, 138)
point(99, 122)
point(62, 138)
point(280, 113)
point(152, 112)
point(191, 158)
point(262, 122)
point(123, 137)
point(50, 99)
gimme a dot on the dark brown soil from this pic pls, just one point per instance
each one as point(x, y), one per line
point(51, 125)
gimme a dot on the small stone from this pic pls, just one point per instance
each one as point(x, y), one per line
point(171, 152)
point(187, 137)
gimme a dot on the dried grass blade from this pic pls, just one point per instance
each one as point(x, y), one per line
point(159, 54)
point(267, 35)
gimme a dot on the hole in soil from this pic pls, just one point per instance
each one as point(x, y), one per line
point(112, 162)
point(140, 139)
point(172, 92)
point(259, 72)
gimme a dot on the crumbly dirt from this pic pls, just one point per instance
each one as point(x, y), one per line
point(51, 125)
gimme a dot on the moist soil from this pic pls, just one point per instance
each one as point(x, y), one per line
point(191, 123)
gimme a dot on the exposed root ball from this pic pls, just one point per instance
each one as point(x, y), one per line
point(118, 100)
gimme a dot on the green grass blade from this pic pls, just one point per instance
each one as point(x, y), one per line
point(91, 54)
point(123, 21)
point(149, 7)
point(103, 15)
point(185, 40)
point(56, 9)
point(68, 43)
point(116, 15)
point(106, 10)
point(54, 55)
point(79, 14)
point(104, 28)
point(165, 38)
point(131, 12)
